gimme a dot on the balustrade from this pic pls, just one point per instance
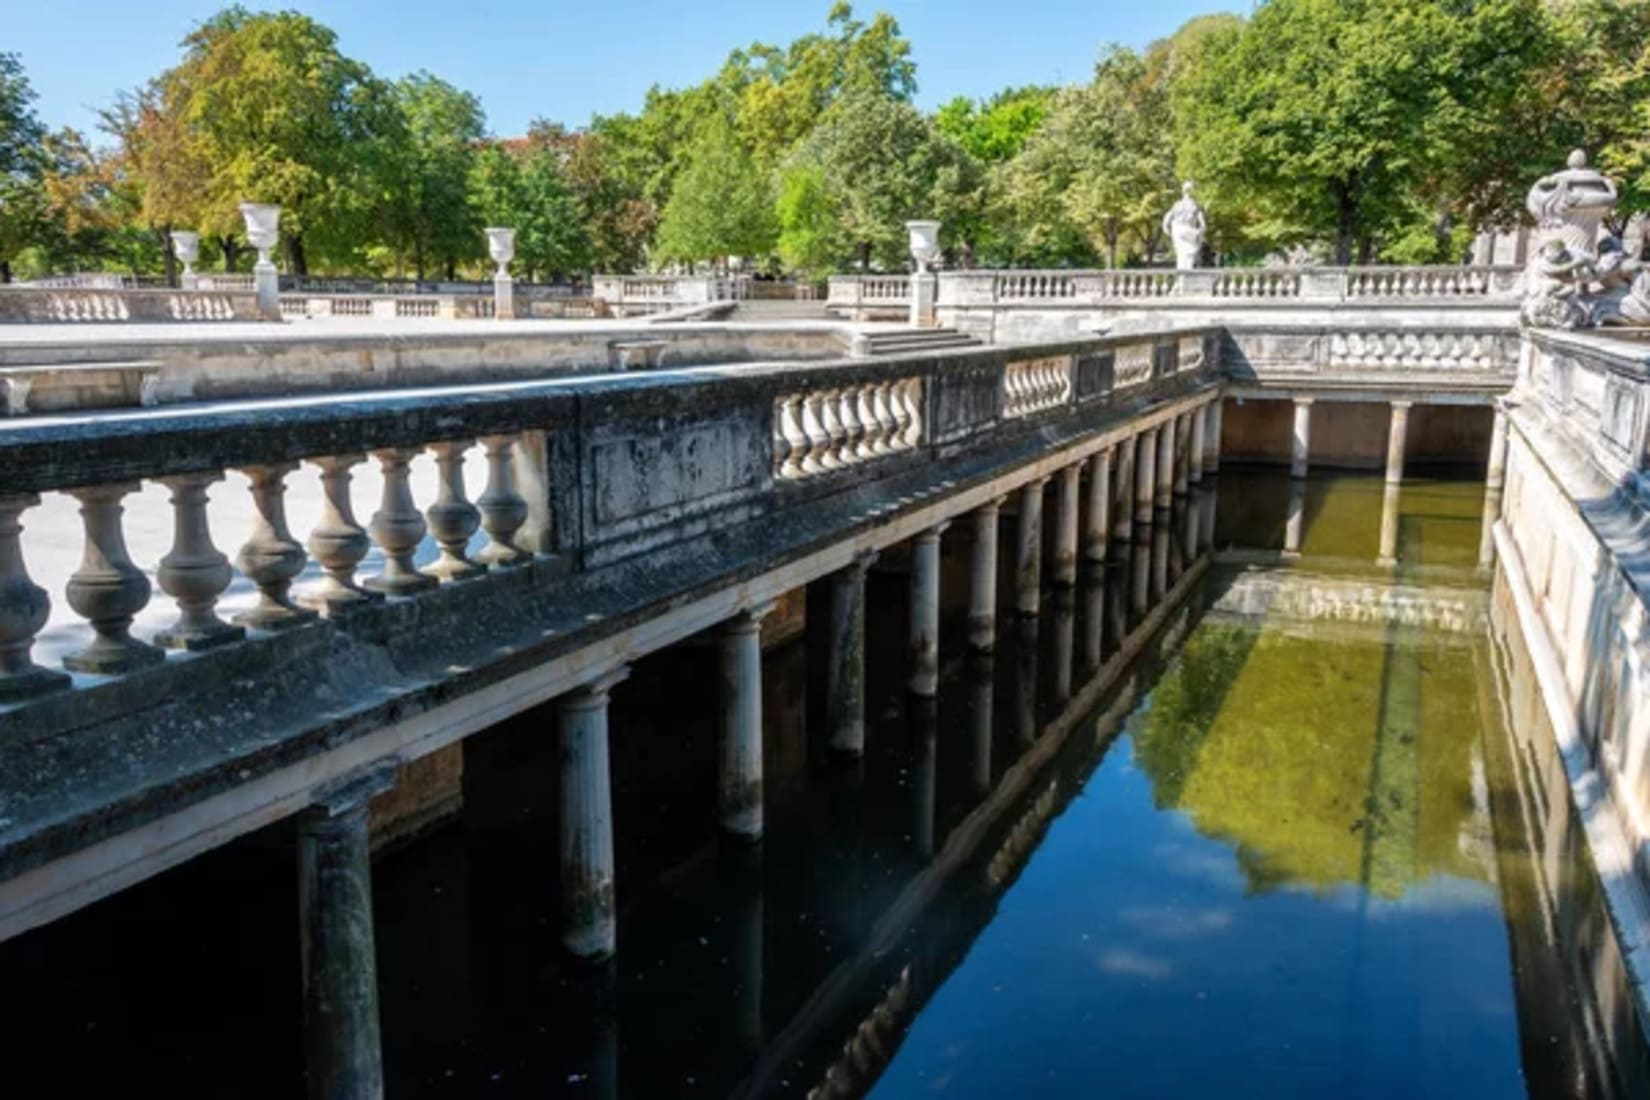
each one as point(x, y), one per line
point(93, 305)
point(844, 417)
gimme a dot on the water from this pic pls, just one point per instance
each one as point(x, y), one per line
point(1264, 857)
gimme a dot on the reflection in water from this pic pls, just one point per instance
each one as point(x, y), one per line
point(1285, 859)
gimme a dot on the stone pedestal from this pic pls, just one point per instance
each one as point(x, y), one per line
point(266, 283)
point(504, 297)
point(588, 924)
point(341, 1039)
point(739, 795)
point(924, 292)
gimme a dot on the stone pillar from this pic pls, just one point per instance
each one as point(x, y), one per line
point(924, 612)
point(1065, 526)
point(1388, 553)
point(740, 788)
point(1297, 517)
point(1396, 434)
point(746, 915)
point(1145, 470)
point(1122, 526)
point(982, 684)
point(1025, 680)
point(1094, 615)
point(1098, 524)
point(982, 592)
point(588, 925)
point(341, 1044)
point(1301, 441)
point(923, 714)
point(1194, 455)
point(1065, 633)
point(1140, 580)
point(1182, 454)
point(845, 665)
point(1028, 561)
point(924, 291)
point(1163, 493)
point(1211, 438)
point(1495, 477)
point(1160, 559)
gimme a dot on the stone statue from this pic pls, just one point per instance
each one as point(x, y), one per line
point(1572, 204)
point(1554, 284)
point(1185, 224)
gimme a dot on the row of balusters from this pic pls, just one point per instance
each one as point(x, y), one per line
point(1034, 385)
point(824, 430)
point(1413, 283)
point(108, 590)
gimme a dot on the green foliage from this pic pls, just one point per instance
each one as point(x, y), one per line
point(720, 205)
point(810, 241)
point(428, 217)
point(524, 189)
point(995, 130)
point(22, 202)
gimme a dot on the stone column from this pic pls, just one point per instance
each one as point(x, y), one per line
point(1028, 561)
point(747, 917)
point(1163, 493)
point(341, 1044)
point(1194, 456)
point(982, 592)
point(845, 665)
point(1160, 559)
point(1094, 615)
point(924, 611)
point(1388, 552)
point(1122, 526)
point(1140, 580)
point(923, 714)
point(740, 788)
point(1301, 440)
point(1145, 470)
point(1396, 435)
point(1495, 477)
point(1098, 523)
point(1297, 518)
point(588, 925)
point(1025, 680)
point(1065, 526)
point(1065, 633)
point(1211, 437)
point(1182, 454)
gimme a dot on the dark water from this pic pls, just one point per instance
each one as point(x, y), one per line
point(1256, 859)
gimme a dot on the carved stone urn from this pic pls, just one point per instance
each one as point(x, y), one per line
point(186, 246)
point(925, 242)
point(263, 227)
point(501, 246)
point(1570, 205)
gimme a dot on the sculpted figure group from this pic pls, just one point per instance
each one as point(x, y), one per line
point(1582, 276)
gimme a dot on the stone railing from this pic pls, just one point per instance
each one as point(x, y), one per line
point(64, 305)
point(1471, 357)
point(449, 306)
point(226, 282)
point(1037, 385)
point(628, 295)
point(856, 295)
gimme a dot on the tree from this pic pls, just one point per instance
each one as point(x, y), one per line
point(810, 240)
point(1331, 118)
point(22, 202)
point(429, 218)
point(522, 188)
point(277, 114)
point(720, 205)
point(995, 130)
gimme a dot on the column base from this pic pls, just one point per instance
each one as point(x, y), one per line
point(200, 639)
point(31, 681)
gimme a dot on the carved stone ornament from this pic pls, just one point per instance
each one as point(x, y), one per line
point(1581, 276)
point(1185, 225)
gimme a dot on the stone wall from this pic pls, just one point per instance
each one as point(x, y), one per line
point(1353, 435)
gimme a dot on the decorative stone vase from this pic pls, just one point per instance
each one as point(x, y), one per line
point(186, 246)
point(263, 227)
point(501, 246)
point(925, 242)
point(1570, 205)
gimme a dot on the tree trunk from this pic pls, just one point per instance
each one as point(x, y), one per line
point(168, 257)
point(1366, 249)
point(5, 271)
point(452, 269)
point(1346, 223)
point(864, 250)
point(418, 260)
point(295, 261)
point(230, 251)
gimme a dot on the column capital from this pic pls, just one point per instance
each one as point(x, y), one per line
point(1303, 401)
point(933, 532)
point(1406, 404)
point(748, 618)
point(593, 693)
point(350, 792)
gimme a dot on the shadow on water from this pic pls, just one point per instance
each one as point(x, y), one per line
point(1187, 851)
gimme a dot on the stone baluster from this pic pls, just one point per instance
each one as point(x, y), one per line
point(832, 423)
point(503, 510)
point(911, 423)
point(887, 422)
point(853, 430)
point(107, 589)
point(789, 410)
point(194, 572)
point(871, 442)
point(819, 440)
point(24, 609)
point(398, 528)
point(271, 557)
point(452, 518)
point(338, 541)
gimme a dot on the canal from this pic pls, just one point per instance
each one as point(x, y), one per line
point(1268, 836)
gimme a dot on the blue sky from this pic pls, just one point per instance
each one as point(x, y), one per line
point(566, 60)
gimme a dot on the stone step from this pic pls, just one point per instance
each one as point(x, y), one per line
point(928, 339)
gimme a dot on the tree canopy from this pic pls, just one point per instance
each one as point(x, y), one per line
point(1351, 129)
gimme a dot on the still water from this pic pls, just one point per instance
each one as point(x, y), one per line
point(1236, 856)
